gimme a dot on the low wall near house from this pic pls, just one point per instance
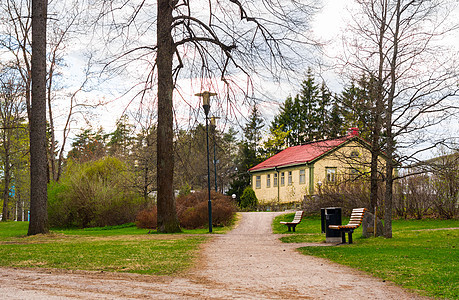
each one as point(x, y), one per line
point(276, 206)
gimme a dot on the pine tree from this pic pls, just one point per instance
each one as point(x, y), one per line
point(88, 145)
point(121, 139)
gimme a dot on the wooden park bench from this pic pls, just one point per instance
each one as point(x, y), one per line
point(354, 223)
point(296, 220)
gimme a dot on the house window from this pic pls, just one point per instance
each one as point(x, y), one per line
point(290, 178)
point(275, 180)
point(258, 182)
point(282, 183)
point(302, 176)
point(330, 174)
point(268, 180)
point(355, 154)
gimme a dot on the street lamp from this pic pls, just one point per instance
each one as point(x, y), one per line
point(206, 105)
point(213, 125)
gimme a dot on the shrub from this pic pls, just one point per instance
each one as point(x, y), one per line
point(147, 218)
point(185, 190)
point(248, 199)
point(192, 210)
point(347, 195)
point(414, 197)
point(94, 194)
point(275, 205)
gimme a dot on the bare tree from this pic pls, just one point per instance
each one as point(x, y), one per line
point(38, 159)
point(398, 43)
point(17, 42)
point(444, 172)
point(11, 116)
point(57, 41)
point(63, 28)
point(228, 40)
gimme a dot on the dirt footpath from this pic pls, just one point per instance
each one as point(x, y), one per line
point(247, 263)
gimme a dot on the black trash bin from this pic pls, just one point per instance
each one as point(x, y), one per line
point(331, 216)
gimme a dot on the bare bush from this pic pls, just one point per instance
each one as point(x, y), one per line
point(146, 218)
point(445, 181)
point(192, 210)
point(347, 195)
point(414, 197)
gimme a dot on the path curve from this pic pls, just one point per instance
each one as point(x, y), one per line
point(247, 263)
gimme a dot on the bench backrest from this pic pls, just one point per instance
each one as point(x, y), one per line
point(357, 216)
point(298, 216)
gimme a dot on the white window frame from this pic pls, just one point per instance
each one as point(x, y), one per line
point(330, 174)
point(302, 176)
point(258, 181)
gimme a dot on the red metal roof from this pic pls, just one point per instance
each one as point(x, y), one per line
point(301, 154)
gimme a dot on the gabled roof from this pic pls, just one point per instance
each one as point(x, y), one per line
point(304, 154)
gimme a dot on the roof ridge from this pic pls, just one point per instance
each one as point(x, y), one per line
point(303, 153)
point(328, 139)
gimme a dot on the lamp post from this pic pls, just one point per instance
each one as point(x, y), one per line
point(319, 183)
point(213, 125)
point(206, 105)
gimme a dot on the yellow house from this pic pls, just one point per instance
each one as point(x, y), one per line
point(296, 171)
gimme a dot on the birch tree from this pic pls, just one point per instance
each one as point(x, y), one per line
point(398, 43)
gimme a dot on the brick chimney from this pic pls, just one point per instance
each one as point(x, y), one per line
point(354, 131)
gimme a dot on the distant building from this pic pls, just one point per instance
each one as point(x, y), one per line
point(299, 170)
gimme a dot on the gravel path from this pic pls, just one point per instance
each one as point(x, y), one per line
point(247, 263)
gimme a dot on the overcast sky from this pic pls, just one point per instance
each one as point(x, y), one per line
point(328, 25)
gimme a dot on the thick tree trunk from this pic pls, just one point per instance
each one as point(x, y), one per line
point(38, 159)
point(388, 197)
point(375, 152)
point(167, 215)
point(377, 91)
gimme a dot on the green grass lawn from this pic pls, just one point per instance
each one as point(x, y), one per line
point(416, 257)
point(112, 249)
point(308, 231)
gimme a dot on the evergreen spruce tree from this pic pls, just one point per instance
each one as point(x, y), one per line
point(324, 113)
point(335, 121)
point(305, 117)
point(309, 98)
point(356, 107)
point(252, 130)
point(248, 154)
